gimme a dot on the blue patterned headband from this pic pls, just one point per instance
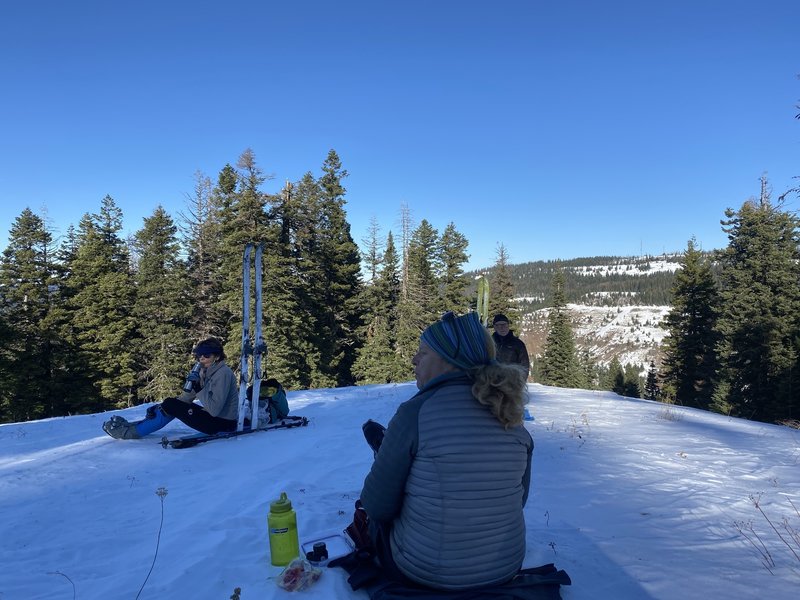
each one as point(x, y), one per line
point(459, 340)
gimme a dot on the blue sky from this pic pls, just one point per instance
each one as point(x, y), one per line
point(560, 129)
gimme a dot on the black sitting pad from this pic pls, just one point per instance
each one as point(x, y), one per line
point(536, 583)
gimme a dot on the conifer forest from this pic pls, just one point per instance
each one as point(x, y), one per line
point(91, 321)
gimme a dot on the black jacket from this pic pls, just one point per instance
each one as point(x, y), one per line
point(511, 349)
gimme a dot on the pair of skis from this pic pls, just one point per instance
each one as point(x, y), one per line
point(252, 352)
point(255, 350)
point(193, 440)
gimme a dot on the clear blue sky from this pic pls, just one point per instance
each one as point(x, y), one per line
point(561, 129)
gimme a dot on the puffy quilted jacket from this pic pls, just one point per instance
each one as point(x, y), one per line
point(452, 482)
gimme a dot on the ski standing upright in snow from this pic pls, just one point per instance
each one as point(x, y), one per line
point(258, 349)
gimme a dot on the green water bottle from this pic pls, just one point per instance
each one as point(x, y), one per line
point(282, 523)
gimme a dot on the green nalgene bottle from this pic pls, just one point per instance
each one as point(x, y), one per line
point(282, 522)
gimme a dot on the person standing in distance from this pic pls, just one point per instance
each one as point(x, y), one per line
point(510, 349)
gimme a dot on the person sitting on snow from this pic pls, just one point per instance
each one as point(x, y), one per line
point(213, 385)
point(444, 498)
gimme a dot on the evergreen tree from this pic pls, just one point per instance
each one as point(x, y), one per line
point(760, 317)
point(501, 299)
point(589, 370)
point(30, 364)
point(614, 377)
point(293, 283)
point(75, 381)
point(379, 359)
point(690, 360)
point(373, 255)
point(102, 305)
point(422, 305)
point(340, 313)
point(241, 209)
point(453, 253)
point(561, 367)
point(631, 384)
point(652, 390)
point(204, 265)
point(161, 308)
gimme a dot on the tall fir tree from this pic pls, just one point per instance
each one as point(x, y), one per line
point(561, 367)
point(760, 317)
point(422, 304)
point(453, 252)
point(614, 379)
point(202, 240)
point(292, 283)
point(379, 359)
point(161, 308)
point(690, 361)
point(501, 299)
point(373, 253)
point(102, 305)
point(340, 313)
point(652, 391)
point(30, 364)
point(241, 208)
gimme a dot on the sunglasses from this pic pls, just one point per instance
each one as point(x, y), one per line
point(203, 355)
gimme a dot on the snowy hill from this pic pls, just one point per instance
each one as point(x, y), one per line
point(619, 304)
point(631, 333)
point(632, 498)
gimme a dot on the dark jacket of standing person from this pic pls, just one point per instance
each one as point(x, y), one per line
point(452, 474)
point(509, 348)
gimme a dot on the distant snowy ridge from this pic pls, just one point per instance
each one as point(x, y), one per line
point(633, 268)
point(631, 333)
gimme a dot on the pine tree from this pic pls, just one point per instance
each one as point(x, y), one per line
point(690, 360)
point(29, 363)
point(201, 237)
point(453, 251)
point(241, 209)
point(373, 255)
point(561, 367)
point(340, 313)
point(631, 386)
point(614, 377)
point(379, 359)
point(161, 308)
point(102, 305)
point(652, 390)
point(502, 297)
point(292, 283)
point(760, 317)
point(421, 305)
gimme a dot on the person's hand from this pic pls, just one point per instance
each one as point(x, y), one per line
point(194, 379)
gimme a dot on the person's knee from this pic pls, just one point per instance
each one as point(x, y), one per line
point(170, 406)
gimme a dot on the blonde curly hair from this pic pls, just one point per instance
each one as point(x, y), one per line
point(502, 387)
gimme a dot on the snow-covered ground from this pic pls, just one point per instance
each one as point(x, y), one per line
point(632, 498)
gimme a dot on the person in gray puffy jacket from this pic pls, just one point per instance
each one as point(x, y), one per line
point(451, 475)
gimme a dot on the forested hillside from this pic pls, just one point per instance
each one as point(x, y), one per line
point(595, 281)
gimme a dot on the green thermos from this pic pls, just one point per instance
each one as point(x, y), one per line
point(282, 523)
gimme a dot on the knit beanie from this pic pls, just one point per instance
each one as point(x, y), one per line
point(459, 340)
point(499, 318)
